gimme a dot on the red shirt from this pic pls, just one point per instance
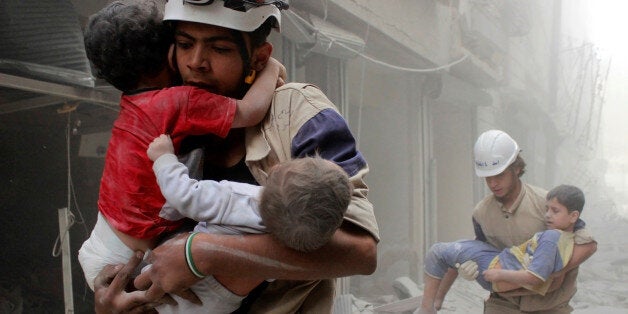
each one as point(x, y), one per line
point(129, 196)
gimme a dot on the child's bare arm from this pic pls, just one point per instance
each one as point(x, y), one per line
point(253, 107)
point(161, 145)
point(516, 278)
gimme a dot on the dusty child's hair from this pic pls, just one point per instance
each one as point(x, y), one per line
point(569, 196)
point(304, 201)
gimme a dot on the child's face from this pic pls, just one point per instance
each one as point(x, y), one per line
point(558, 217)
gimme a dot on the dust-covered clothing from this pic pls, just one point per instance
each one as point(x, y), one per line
point(223, 207)
point(545, 253)
point(505, 227)
point(102, 248)
point(303, 122)
point(129, 196)
point(130, 199)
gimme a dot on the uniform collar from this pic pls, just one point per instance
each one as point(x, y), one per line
point(257, 147)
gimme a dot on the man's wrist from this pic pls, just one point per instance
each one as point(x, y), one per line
point(189, 259)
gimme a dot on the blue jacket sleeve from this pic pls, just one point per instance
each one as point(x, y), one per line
point(327, 134)
point(479, 234)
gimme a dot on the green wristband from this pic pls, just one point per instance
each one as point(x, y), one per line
point(188, 256)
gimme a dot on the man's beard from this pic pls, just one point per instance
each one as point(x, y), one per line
point(501, 199)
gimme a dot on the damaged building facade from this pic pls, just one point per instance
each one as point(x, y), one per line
point(417, 80)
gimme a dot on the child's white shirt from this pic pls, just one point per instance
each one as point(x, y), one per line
point(223, 207)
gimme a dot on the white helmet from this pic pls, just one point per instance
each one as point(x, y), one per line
point(242, 15)
point(494, 151)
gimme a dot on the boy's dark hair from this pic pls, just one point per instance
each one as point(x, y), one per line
point(126, 41)
point(304, 201)
point(569, 196)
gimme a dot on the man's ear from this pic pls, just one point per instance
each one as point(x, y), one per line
point(171, 60)
point(515, 170)
point(574, 215)
point(260, 56)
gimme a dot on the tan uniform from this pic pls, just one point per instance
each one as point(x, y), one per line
point(270, 143)
point(505, 227)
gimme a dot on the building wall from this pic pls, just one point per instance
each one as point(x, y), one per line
point(416, 128)
point(387, 127)
point(452, 132)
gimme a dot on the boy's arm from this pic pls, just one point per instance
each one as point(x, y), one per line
point(581, 252)
point(507, 279)
point(253, 107)
point(206, 200)
point(352, 251)
point(225, 203)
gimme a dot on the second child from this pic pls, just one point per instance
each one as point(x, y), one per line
point(528, 265)
point(301, 205)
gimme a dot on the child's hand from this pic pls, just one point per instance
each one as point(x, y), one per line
point(160, 145)
point(280, 82)
point(275, 64)
point(491, 275)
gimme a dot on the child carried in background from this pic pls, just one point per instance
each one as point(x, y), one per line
point(528, 265)
point(128, 45)
point(301, 205)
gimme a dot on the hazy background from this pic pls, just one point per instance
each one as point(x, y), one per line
point(608, 26)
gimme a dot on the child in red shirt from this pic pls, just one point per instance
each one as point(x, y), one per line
point(128, 45)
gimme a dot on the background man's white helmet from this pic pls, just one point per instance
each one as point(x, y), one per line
point(242, 15)
point(494, 151)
